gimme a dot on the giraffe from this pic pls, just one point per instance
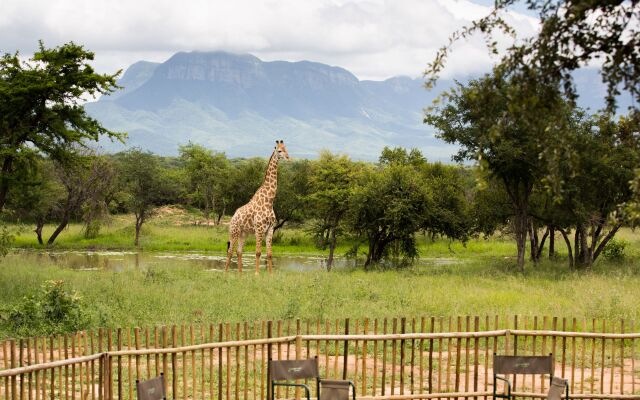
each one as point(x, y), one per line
point(257, 216)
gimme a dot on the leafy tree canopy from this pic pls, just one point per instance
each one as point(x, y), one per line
point(41, 108)
point(573, 34)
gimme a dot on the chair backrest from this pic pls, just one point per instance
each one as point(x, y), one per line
point(289, 370)
point(557, 389)
point(334, 390)
point(152, 389)
point(505, 365)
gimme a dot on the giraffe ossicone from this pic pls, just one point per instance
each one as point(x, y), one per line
point(257, 216)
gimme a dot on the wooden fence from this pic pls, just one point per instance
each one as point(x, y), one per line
point(418, 358)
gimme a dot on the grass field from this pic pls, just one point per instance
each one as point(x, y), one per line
point(482, 282)
point(175, 230)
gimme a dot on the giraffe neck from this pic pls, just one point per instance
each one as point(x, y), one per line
point(270, 184)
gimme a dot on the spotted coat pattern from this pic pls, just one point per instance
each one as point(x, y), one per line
point(257, 216)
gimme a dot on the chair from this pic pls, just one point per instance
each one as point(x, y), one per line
point(282, 372)
point(152, 389)
point(543, 365)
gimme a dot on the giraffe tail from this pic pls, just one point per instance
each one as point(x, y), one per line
point(228, 245)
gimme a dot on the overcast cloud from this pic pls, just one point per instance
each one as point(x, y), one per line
point(374, 39)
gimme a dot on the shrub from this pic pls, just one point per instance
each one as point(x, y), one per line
point(53, 309)
point(614, 250)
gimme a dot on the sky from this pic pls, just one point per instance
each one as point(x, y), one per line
point(374, 39)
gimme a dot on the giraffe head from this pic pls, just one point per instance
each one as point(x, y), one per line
point(281, 150)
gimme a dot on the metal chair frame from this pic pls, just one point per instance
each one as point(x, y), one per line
point(161, 377)
point(274, 383)
point(508, 395)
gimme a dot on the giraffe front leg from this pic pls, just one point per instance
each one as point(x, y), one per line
point(259, 237)
point(269, 240)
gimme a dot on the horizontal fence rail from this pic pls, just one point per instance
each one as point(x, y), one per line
point(417, 358)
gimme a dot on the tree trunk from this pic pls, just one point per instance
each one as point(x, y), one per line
point(552, 242)
point(541, 245)
point(585, 253)
point(59, 229)
point(576, 248)
point(604, 242)
point(279, 224)
point(38, 231)
point(520, 230)
point(139, 222)
point(367, 262)
point(332, 246)
point(7, 165)
point(533, 242)
point(565, 236)
point(219, 218)
point(136, 242)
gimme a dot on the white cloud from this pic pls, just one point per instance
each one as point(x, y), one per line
point(374, 39)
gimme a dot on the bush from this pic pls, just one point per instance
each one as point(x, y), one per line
point(614, 250)
point(53, 309)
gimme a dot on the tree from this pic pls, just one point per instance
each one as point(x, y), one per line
point(144, 183)
point(85, 180)
point(293, 188)
point(449, 214)
point(208, 176)
point(36, 195)
point(605, 154)
point(490, 205)
point(41, 110)
point(331, 182)
point(246, 177)
point(95, 209)
point(573, 33)
point(504, 122)
point(632, 209)
point(389, 206)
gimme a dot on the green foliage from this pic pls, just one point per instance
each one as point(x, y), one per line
point(293, 189)
point(505, 122)
point(572, 34)
point(7, 238)
point(53, 309)
point(95, 207)
point(208, 176)
point(41, 110)
point(331, 185)
point(632, 209)
point(245, 179)
point(145, 183)
point(615, 250)
point(388, 207)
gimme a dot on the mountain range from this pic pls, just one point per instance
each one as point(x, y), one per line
point(239, 104)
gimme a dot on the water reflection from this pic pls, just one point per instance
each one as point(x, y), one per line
point(121, 260)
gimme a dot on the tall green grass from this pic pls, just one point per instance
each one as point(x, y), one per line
point(168, 295)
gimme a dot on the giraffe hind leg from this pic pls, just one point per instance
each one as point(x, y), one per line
point(230, 246)
point(269, 240)
point(259, 237)
point(239, 250)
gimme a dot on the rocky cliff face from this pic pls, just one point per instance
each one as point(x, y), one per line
point(241, 104)
point(244, 83)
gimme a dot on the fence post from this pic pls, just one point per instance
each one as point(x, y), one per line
point(14, 379)
point(298, 354)
point(220, 338)
point(105, 366)
point(346, 349)
point(403, 330)
point(269, 335)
